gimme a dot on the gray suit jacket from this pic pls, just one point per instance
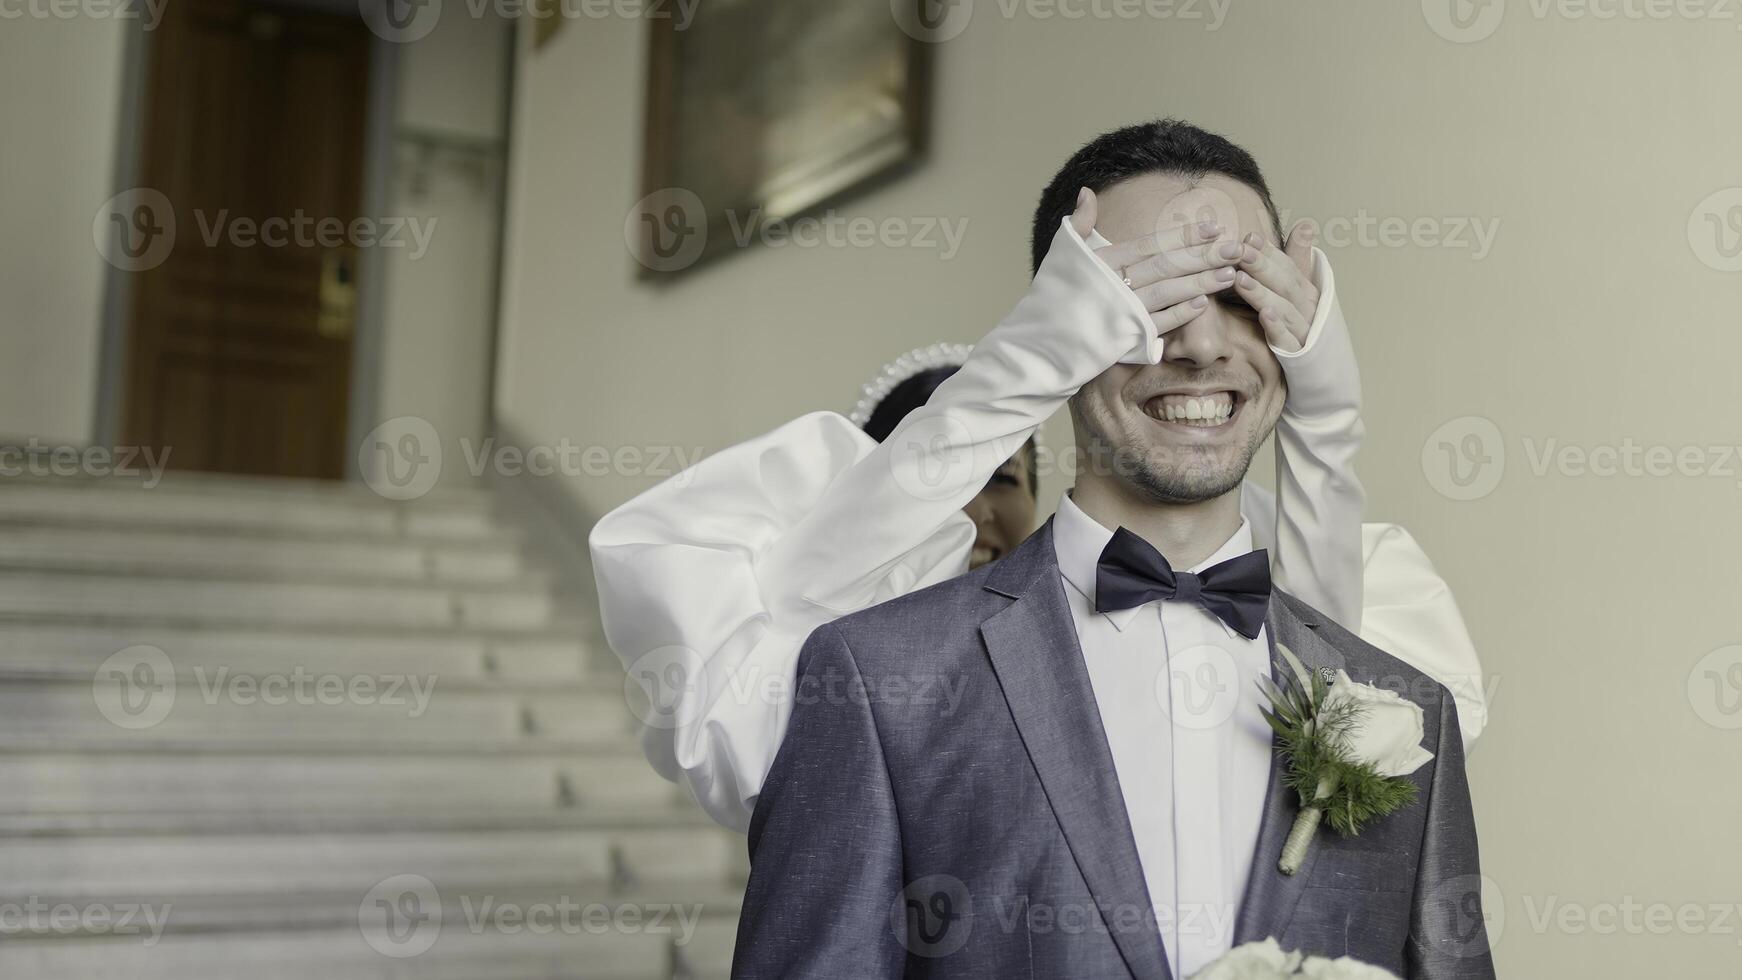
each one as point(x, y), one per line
point(944, 805)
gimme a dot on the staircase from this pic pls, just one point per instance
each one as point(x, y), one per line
point(277, 731)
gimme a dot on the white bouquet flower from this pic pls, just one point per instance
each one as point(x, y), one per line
point(1266, 961)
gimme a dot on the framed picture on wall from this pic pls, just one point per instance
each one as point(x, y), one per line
point(762, 111)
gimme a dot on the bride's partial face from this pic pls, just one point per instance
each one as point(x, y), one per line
point(1003, 512)
point(1185, 429)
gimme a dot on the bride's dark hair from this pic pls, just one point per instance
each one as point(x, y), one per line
point(916, 391)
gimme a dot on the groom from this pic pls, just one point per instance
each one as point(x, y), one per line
point(1102, 798)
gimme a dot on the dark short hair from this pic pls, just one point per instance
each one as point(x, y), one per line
point(1165, 146)
point(916, 391)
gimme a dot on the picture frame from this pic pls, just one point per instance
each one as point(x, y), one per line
point(760, 112)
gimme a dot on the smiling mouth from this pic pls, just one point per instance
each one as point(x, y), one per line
point(984, 554)
point(1210, 410)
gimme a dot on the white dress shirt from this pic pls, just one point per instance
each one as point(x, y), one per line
point(1177, 691)
point(716, 576)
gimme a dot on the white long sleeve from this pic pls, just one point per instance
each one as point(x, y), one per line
point(1317, 547)
point(1407, 611)
point(1372, 579)
point(710, 582)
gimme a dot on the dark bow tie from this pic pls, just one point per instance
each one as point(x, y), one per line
point(1131, 572)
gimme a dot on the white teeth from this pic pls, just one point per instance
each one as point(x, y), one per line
point(1208, 411)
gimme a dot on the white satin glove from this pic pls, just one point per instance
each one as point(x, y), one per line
point(710, 582)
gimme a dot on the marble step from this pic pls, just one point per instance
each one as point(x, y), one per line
point(218, 600)
point(74, 649)
point(170, 865)
point(652, 948)
point(293, 509)
point(254, 487)
point(127, 706)
point(95, 786)
point(144, 551)
point(346, 817)
point(714, 903)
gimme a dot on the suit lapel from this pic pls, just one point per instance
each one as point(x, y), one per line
point(1270, 897)
point(1033, 647)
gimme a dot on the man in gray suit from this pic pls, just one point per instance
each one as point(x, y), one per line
point(1098, 795)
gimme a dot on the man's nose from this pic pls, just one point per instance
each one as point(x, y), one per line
point(1204, 341)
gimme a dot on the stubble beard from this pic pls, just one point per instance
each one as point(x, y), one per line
point(1147, 470)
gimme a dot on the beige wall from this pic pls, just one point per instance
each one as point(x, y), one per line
point(60, 105)
point(438, 305)
point(1591, 321)
point(60, 96)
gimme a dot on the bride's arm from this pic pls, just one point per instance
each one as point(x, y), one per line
point(1372, 579)
point(710, 582)
point(1317, 556)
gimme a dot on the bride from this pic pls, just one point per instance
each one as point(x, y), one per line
point(710, 582)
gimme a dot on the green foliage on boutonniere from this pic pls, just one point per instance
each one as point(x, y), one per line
point(1315, 731)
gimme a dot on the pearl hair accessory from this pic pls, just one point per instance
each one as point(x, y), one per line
point(915, 361)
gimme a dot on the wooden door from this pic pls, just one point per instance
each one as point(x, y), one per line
point(240, 340)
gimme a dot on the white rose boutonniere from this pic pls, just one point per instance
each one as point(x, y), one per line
point(1348, 747)
point(1266, 961)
